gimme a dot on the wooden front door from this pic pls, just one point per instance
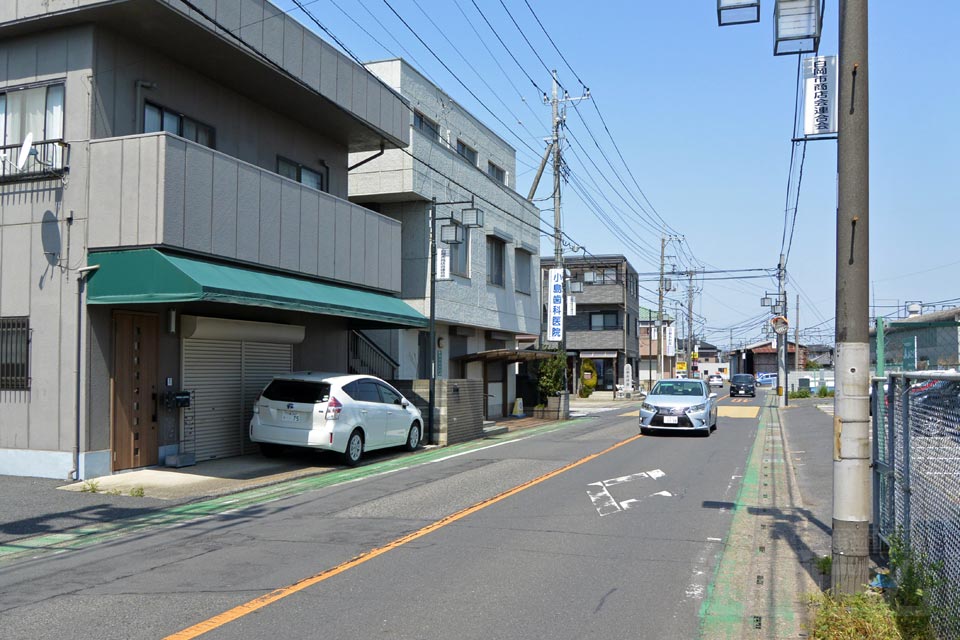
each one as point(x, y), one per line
point(134, 388)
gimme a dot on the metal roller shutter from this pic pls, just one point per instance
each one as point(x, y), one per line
point(261, 361)
point(225, 377)
point(212, 373)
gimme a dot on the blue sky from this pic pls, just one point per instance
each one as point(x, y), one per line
point(703, 117)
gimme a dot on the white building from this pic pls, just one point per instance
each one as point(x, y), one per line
point(490, 293)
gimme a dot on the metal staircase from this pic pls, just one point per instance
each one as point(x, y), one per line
point(367, 358)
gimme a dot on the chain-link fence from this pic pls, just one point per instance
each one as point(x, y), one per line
point(916, 453)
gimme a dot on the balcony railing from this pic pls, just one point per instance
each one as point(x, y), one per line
point(46, 159)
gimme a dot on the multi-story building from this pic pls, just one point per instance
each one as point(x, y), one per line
point(175, 225)
point(606, 326)
point(486, 289)
point(649, 367)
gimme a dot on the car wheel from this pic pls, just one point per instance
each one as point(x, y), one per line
point(270, 450)
point(354, 450)
point(413, 437)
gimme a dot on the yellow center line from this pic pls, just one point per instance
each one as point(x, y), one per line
point(239, 611)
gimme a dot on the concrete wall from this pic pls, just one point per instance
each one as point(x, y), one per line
point(160, 189)
point(459, 407)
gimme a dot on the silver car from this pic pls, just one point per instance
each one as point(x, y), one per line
point(681, 405)
point(348, 414)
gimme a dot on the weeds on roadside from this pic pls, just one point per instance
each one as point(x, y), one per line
point(137, 492)
point(799, 393)
point(825, 565)
point(823, 392)
point(854, 617)
point(916, 578)
point(90, 486)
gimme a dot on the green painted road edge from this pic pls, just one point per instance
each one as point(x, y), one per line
point(86, 536)
point(721, 613)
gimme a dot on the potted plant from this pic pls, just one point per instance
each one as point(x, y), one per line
point(588, 378)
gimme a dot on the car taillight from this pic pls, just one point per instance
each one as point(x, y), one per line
point(333, 409)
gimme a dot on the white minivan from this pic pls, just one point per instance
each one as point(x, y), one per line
point(348, 414)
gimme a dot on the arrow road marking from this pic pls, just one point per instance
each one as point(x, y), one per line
point(605, 503)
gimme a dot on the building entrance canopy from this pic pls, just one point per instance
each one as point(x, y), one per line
point(149, 276)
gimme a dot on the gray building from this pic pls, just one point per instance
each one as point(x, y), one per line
point(606, 327)
point(486, 289)
point(179, 230)
point(920, 341)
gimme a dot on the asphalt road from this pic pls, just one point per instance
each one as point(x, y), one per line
point(586, 530)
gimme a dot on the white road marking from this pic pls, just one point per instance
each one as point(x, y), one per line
point(714, 539)
point(605, 503)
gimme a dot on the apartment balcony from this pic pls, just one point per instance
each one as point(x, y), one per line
point(161, 190)
point(45, 159)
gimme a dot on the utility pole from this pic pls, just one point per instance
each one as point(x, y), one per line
point(782, 337)
point(690, 324)
point(556, 123)
point(851, 424)
point(796, 339)
point(663, 249)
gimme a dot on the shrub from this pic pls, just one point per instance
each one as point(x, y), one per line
point(864, 615)
point(800, 393)
point(550, 380)
point(823, 392)
point(588, 378)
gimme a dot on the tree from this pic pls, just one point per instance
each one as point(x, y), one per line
point(550, 381)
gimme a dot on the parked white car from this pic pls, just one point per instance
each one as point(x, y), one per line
point(348, 414)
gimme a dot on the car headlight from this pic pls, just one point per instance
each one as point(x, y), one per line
point(648, 407)
point(697, 407)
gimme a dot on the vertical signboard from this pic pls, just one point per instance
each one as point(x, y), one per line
point(443, 261)
point(628, 377)
point(571, 306)
point(555, 306)
point(670, 341)
point(820, 95)
point(910, 354)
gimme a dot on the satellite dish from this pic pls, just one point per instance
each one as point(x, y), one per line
point(24, 151)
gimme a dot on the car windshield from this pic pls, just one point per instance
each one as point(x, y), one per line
point(742, 378)
point(677, 388)
point(303, 391)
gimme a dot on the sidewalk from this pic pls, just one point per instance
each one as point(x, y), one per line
point(781, 526)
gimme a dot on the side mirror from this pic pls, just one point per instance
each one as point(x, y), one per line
point(404, 403)
point(712, 395)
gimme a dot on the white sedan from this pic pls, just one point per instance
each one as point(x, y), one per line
point(348, 414)
point(681, 405)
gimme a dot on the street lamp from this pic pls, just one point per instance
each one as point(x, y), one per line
point(471, 217)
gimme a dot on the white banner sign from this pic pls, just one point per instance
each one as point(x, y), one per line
point(443, 261)
point(571, 306)
point(555, 306)
point(820, 95)
point(670, 342)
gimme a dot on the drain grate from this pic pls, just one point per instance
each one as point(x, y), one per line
point(762, 549)
point(757, 622)
point(760, 580)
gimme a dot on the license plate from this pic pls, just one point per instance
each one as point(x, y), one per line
point(669, 419)
point(289, 416)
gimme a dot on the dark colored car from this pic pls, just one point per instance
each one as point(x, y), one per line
point(743, 384)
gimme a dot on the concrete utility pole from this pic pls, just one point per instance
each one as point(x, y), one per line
point(556, 123)
point(782, 338)
point(663, 249)
point(796, 339)
point(851, 423)
point(690, 324)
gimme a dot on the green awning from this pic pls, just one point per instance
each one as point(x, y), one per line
point(148, 276)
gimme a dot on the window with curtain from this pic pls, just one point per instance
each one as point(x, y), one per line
point(37, 111)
